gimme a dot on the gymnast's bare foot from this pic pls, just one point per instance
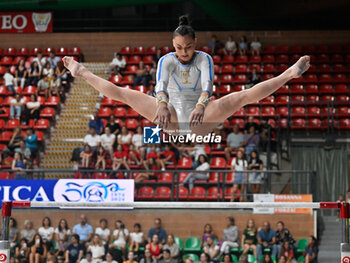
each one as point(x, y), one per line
point(300, 67)
point(75, 68)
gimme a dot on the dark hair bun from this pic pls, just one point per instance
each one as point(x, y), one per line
point(184, 20)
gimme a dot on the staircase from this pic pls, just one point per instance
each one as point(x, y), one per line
point(329, 246)
point(72, 124)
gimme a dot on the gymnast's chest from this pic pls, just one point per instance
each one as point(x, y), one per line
point(186, 77)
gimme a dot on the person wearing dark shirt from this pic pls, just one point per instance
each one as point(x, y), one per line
point(255, 178)
point(311, 251)
point(249, 238)
point(114, 127)
point(250, 123)
point(266, 239)
point(74, 251)
point(157, 229)
point(97, 123)
point(214, 44)
point(283, 235)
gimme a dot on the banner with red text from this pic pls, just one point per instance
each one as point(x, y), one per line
point(25, 22)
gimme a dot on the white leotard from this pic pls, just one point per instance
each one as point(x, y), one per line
point(185, 83)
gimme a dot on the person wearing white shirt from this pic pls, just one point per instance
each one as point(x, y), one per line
point(40, 60)
point(16, 106)
point(230, 46)
point(9, 81)
point(32, 109)
point(136, 238)
point(96, 248)
point(255, 46)
point(118, 64)
point(46, 231)
point(103, 231)
point(109, 258)
point(120, 235)
point(62, 233)
point(107, 140)
point(88, 258)
point(200, 174)
point(239, 165)
point(92, 139)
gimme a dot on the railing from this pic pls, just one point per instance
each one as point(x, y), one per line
point(273, 181)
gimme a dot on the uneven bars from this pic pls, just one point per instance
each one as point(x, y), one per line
point(178, 205)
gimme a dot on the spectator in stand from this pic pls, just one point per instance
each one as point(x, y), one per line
point(47, 71)
point(133, 156)
point(236, 194)
point(282, 259)
point(243, 259)
point(34, 74)
point(283, 235)
point(311, 251)
point(19, 165)
point(47, 232)
point(120, 236)
point(32, 109)
point(250, 123)
point(153, 71)
point(83, 229)
point(14, 141)
point(173, 248)
point(55, 85)
point(16, 107)
point(239, 165)
point(103, 231)
point(88, 258)
point(242, 45)
point(151, 91)
point(347, 199)
point(287, 252)
point(255, 46)
point(38, 251)
point(255, 165)
point(251, 141)
point(230, 46)
point(109, 258)
point(53, 59)
point(207, 232)
point(24, 150)
point(101, 158)
point(44, 86)
point(96, 248)
point(114, 126)
point(13, 234)
point(230, 237)
point(157, 56)
point(40, 60)
point(28, 232)
point(211, 249)
point(97, 123)
point(155, 247)
point(62, 233)
point(214, 45)
point(167, 257)
point(92, 139)
point(118, 64)
point(136, 238)
point(142, 75)
point(61, 71)
point(21, 74)
point(32, 142)
point(124, 139)
point(108, 140)
point(266, 239)
point(204, 258)
point(234, 141)
point(267, 259)
point(22, 251)
point(249, 238)
point(167, 157)
point(120, 158)
point(130, 258)
point(75, 250)
point(86, 156)
point(254, 78)
point(148, 175)
point(137, 141)
point(9, 81)
point(264, 133)
point(158, 230)
point(196, 151)
point(148, 257)
point(201, 172)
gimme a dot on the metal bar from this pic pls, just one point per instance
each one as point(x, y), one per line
point(6, 214)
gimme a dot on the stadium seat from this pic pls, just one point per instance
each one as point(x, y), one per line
point(193, 257)
point(163, 193)
point(239, 122)
point(217, 69)
point(340, 99)
point(184, 163)
point(241, 68)
point(18, 89)
point(242, 59)
point(324, 68)
point(146, 123)
point(6, 136)
point(298, 111)
point(282, 111)
point(337, 58)
point(311, 89)
point(100, 175)
point(314, 124)
point(297, 89)
point(218, 163)
point(213, 194)
point(179, 242)
point(165, 177)
point(119, 112)
point(127, 51)
point(240, 78)
point(48, 50)
point(52, 101)
point(269, 68)
point(216, 59)
point(2, 124)
point(283, 90)
point(282, 49)
point(47, 112)
point(131, 124)
point(216, 79)
point(257, 67)
point(296, 49)
point(224, 89)
point(339, 68)
point(197, 193)
point(11, 51)
point(323, 58)
point(6, 113)
point(268, 59)
point(107, 102)
point(342, 112)
point(35, 51)
point(205, 49)
point(227, 68)
point(6, 61)
point(310, 78)
point(214, 177)
point(228, 192)
point(269, 50)
point(238, 88)
point(344, 124)
point(75, 51)
point(326, 89)
point(302, 243)
point(327, 98)
point(145, 192)
point(282, 100)
point(148, 60)
point(7, 100)
point(152, 50)
point(140, 50)
point(183, 193)
point(297, 99)
point(270, 100)
point(29, 90)
point(313, 111)
point(340, 78)
point(268, 112)
point(294, 58)
point(298, 123)
point(130, 69)
point(134, 59)
point(325, 78)
point(226, 79)
point(62, 51)
point(252, 111)
point(282, 59)
point(166, 50)
point(11, 124)
point(4, 175)
point(312, 69)
point(228, 59)
point(42, 124)
point(312, 99)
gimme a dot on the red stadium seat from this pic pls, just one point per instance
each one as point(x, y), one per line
point(324, 68)
point(182, 176)
point(309, 49)
point(6, 113)
point(217, 59)
point(270, 100)
point(75, 51)
point(47, 112)
point(146, 123)
point(130, 69)
point(225, 89)
point(183, 193)
point(11, 124)
point(336, 49)
point(165, 177)
point(6, 61)
point(205, 49)
point(327, 98)
point(344, 124)
point(240, 78)
point(282, 111)
point(163, 193)
point(282, 59)
point(226, 79)
point(62, 51)
point(297, 89)
point(326, 89)
point(134, 59)
point(48, 50)
point(252, 111)
point(119, 112)
point(29, 90)
point(127, 51)
point(342, 112)
point(297, 99)
point(52, 101)
point(313, 111)
point(337, 58)
point(255, 59)
point(127, 80)
point(268, 111)
point(216, 79)
point(218, 163)
point(298, 123)
point(240, 112)
point(257, 67)
point(323, 58)
point(312, 69)
point(11, 51)
point(282, 49)
point(2, 70)
point(310, 78)
point(269, 50)
point(339, 68)
point(342, 98)
point(145, 192)
point(107, 102)
point(35, 51)
point(341, 89)
point(294, 58)
point(228, 193)
point(242, 59)
point(283, 90)
point(7, 100)
point(296, 49)
point(104, 112)
point(227, 68)
point(325, 78)
point(228, 59)
point(42, 124)
point(151, 50)
point(131, 124)
point(267, 76)
point(217, 69)
point(282, 99)
point(268, 59)
point(6, 136)
point(311, 89)
point(298, 112)
point(116, 79)
point(140, 50)
point(214, 177)
point(2, 125)
point(340, 78)
point(312, 99)
point(197, 193)
point(166, 50)
point(269, 68)
point(315, 124)
point(148, 60)
point(184, 163)
point(214, 194)
point(237, 88)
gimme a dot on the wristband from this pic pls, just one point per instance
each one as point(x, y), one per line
point(203, 101)
point(161, 98)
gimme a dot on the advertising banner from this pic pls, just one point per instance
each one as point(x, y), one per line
point(67, 190)
point(25, 22)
